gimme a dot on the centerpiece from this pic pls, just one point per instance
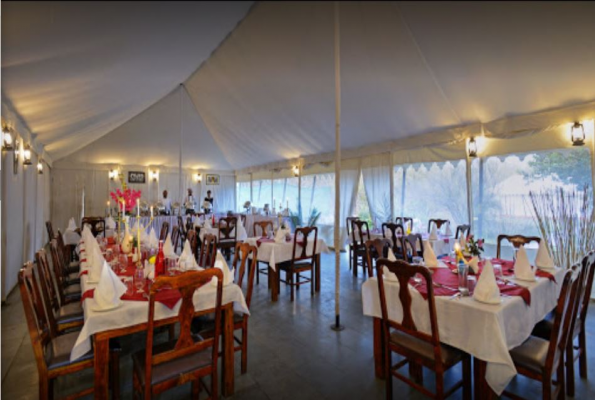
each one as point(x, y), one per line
point(474, 247)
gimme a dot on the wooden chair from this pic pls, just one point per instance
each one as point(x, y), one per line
point(208, 251)
point(192, 238)
point(67, 292)
point(396, 233)
point(418, 348)
point(375, 249)
point(246, 256)
point(164, 231)
point(50, 229)
point(544, 328)
point(60, 317)
point(538, 358)
point(187, 358)
point(351, 246)
point(51, 349)
point(97, 225)
point(411, 243)
point(438, 222)
point(301, 261)
point(175, 237)
point(463, 231)
point(189, 224)
point(228, 235)
point(360, 232)
point(263, 225)
point(72, 266)
point(516, 240)
point(403, 222)
point(182, 230)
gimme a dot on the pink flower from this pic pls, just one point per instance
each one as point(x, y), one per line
point(480, 242)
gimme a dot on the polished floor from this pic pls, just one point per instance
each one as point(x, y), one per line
point(292, 352)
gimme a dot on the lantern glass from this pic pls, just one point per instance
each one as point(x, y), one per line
point(472, 147)
point(27, 156)
point(40, 168)
point(296, 171)
point(577, 134)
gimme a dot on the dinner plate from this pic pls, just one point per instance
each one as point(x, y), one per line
point(97, 309)
point(499, 301)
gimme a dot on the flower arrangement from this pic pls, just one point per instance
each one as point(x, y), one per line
point(129, 196)
point(473, 246)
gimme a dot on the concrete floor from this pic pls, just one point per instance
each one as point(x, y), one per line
point(292, 352)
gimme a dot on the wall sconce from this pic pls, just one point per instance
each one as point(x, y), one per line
point(27, 155)
point(40, 167)
point(113, 174)
point(472, 148)
point(6, 138)
point(198, 177)
point(15, 157)
point(296, 171)
point(577, 134)
point(154, 175)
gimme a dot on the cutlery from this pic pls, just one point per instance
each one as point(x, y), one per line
point(439, 285)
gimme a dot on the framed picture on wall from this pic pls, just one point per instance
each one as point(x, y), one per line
point(136, 177)
point(212, 179)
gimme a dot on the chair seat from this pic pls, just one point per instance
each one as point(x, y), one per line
point(450, 356)
point(70, 312)
point(73, 278)
point(173, 368)
point(73, 268)
point(72, 290)
point(57, 351)
point(297, 267)
point(532, 354)
point(543, 329)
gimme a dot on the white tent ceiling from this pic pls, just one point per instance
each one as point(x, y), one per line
point(267, 93)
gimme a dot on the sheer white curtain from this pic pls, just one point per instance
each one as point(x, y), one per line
point(377, 173)
point(350, 171)
point(224, 193)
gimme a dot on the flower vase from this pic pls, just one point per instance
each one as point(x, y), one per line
point(127, 243)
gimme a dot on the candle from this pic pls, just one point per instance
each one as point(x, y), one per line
point(151, 212)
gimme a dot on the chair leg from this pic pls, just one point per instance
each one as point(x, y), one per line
point(570, 368)
point(312, 282)
point(244, 350)
point(387, 372)
point(115, 375)
point(292, 287)
point(196, 388)
point(467, 378)
point(582, 342)
point(439, 386)
point(297, 281)
point(214, 392)
point(355, 256)
point(46, 391)
point(257, 272)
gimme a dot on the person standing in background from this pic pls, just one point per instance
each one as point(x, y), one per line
point(166, 203)
point(190, 202)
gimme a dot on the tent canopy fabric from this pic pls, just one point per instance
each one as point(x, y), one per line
point(411, 73)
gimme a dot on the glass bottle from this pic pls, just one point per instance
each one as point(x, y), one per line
point(160, 261)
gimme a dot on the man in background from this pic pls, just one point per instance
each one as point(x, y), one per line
point(166, 201)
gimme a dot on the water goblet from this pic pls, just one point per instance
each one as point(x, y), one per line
point(139, 280)
point(123, 261)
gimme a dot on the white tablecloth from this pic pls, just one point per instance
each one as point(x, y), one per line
point(442, 245)
point(157, 222)
point(487, 332)
point(137, 312)
point(273, 253)
point(215, 231)
point(71, 238)
point(251, 219)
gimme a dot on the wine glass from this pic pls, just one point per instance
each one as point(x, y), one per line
point(139, 280)
point(123, 261)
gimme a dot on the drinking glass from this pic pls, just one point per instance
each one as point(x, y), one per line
point(123, 261)
point(139, 280)
point(109, 255)
point(498, 271)
point(170, 266)
point(463, 270)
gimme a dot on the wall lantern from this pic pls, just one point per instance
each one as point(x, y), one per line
point(27, 155)
point(296, 171)
point(15, 157)
point(113, 174)
point(6, 138)
point(472, 148)
point(154, 175)
point(577, 134)
point(198, 177)
point(40, 167)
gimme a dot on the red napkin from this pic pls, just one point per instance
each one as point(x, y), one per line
point(85, 272)
point(111, 240)
point(264, 240)
point(168, 297)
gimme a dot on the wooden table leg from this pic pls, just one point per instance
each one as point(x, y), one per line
point(378, 349)
point(101, 368)
point(227, 376)
point(317, 272)
point(482, 390)
point(274, 279)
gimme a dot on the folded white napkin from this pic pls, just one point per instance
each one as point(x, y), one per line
point(153, 242)
point(543, 259)
point(522, 267)
point(109, 289)
point(168, 247)
point(487, 290)
point(430, 259)
point(434, 232)
point(228, 274)
point(242, 235)
point(71, 225)
point(280, 235)
point(95, 262)
point(391, 255)
point(208, 223)
point(448, 230)
point(110, 223)
point(187, 257)
point(474, 264)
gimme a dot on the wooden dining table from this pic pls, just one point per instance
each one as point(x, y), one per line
point(132, 317)
point(485, 331)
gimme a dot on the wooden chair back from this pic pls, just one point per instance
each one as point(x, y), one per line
point(463, 231)
point(516, 240)
point(192, 238)
point(39, 329)
point(263, 225)
point(375, 249)
point(360, 232)
point(404, 272)
point(348, 224)
point(395, 233)
point(181, 227)
point(403, 222)
point(208, 252)
point(186, 283)
point(410, 244)
point(97, 225)
point(58, 267)
point(588, 271)
point(175, 237)
point(301, 240)
point(45, 276)
point(50, 229)
point(65, 250)
point(438, 222)
point(228, 228)
point(164, 231)
point(247, 258)
point(189, 224)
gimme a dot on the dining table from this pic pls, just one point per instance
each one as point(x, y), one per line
point(441, 244)
point(485, 331)
point(273, 253)
point(131, 316)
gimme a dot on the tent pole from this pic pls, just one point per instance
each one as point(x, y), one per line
point(337, 325)
point(181, 190)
